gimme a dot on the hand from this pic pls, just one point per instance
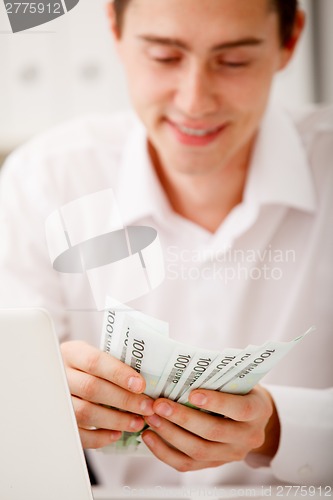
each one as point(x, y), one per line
point(95, 378)
point(188, 439)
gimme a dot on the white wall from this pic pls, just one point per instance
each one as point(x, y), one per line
point(69, 67)
point(57, 71)
point(324, 44)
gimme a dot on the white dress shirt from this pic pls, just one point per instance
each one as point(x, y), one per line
point(266, 273)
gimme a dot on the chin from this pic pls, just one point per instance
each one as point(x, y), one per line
point(193, 168)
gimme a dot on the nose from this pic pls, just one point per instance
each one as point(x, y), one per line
point(195, 95)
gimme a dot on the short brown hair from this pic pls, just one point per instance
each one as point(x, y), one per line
point(119, 7)
point(286, 10)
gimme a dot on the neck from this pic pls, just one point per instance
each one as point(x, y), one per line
point(207, 198)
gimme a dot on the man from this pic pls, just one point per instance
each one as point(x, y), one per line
point(216, 169)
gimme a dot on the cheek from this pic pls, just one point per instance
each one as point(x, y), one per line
point(249, 94)
point(148, 89)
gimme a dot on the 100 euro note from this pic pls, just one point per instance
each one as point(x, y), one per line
point(113, 336)
point(197, 367)
point(259, 364)
point(141, 341)
point(172, 369)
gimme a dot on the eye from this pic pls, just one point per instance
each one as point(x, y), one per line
point(166, 60)
point(163, 55)
point(236, 64)
point(233, 64)
point(233, 60)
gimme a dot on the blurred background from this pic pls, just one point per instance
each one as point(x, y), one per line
point(68, 67)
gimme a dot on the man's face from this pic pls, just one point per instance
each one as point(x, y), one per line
point(199, 74)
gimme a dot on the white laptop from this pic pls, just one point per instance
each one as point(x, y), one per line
point(41, 457)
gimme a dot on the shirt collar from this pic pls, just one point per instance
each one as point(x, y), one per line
point(280, 172)
point(139, 192)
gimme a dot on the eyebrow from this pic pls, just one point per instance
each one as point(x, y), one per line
point(175, 42)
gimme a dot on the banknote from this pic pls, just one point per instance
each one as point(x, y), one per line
point(198, 365)
point(173, 369)
point(213, 371)
point(115, 329)
point(259, 364)
point(112, 331)
point(234, 366)
point(146, 353)
point(177, 364)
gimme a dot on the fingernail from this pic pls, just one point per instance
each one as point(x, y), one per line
point(198, 399)
point(115, 435)
point(148, 440)
point(154, 421)
point(136, 423)
point(135, 384)
point(163, 409)
point(146, 407)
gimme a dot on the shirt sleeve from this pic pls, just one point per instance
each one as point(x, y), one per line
point(27, 276)
point(305, 454)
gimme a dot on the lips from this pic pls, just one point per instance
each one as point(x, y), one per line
point(195, 134)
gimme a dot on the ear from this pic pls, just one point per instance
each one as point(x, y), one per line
point(289, 48)
point(110, 11)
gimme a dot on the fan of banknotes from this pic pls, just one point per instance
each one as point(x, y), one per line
point(173, 369)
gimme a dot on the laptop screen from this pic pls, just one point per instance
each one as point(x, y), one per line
point(40, 455)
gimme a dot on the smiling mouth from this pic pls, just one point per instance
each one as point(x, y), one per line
point(199, 135)
point(196, 132)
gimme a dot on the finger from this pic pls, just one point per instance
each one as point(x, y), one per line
point(91, 415)
point(98, 438)
point(242, 408)
point(194, 446)
point(91, 360)
point(97, 390)
point(210, 427)
point(173, 457)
